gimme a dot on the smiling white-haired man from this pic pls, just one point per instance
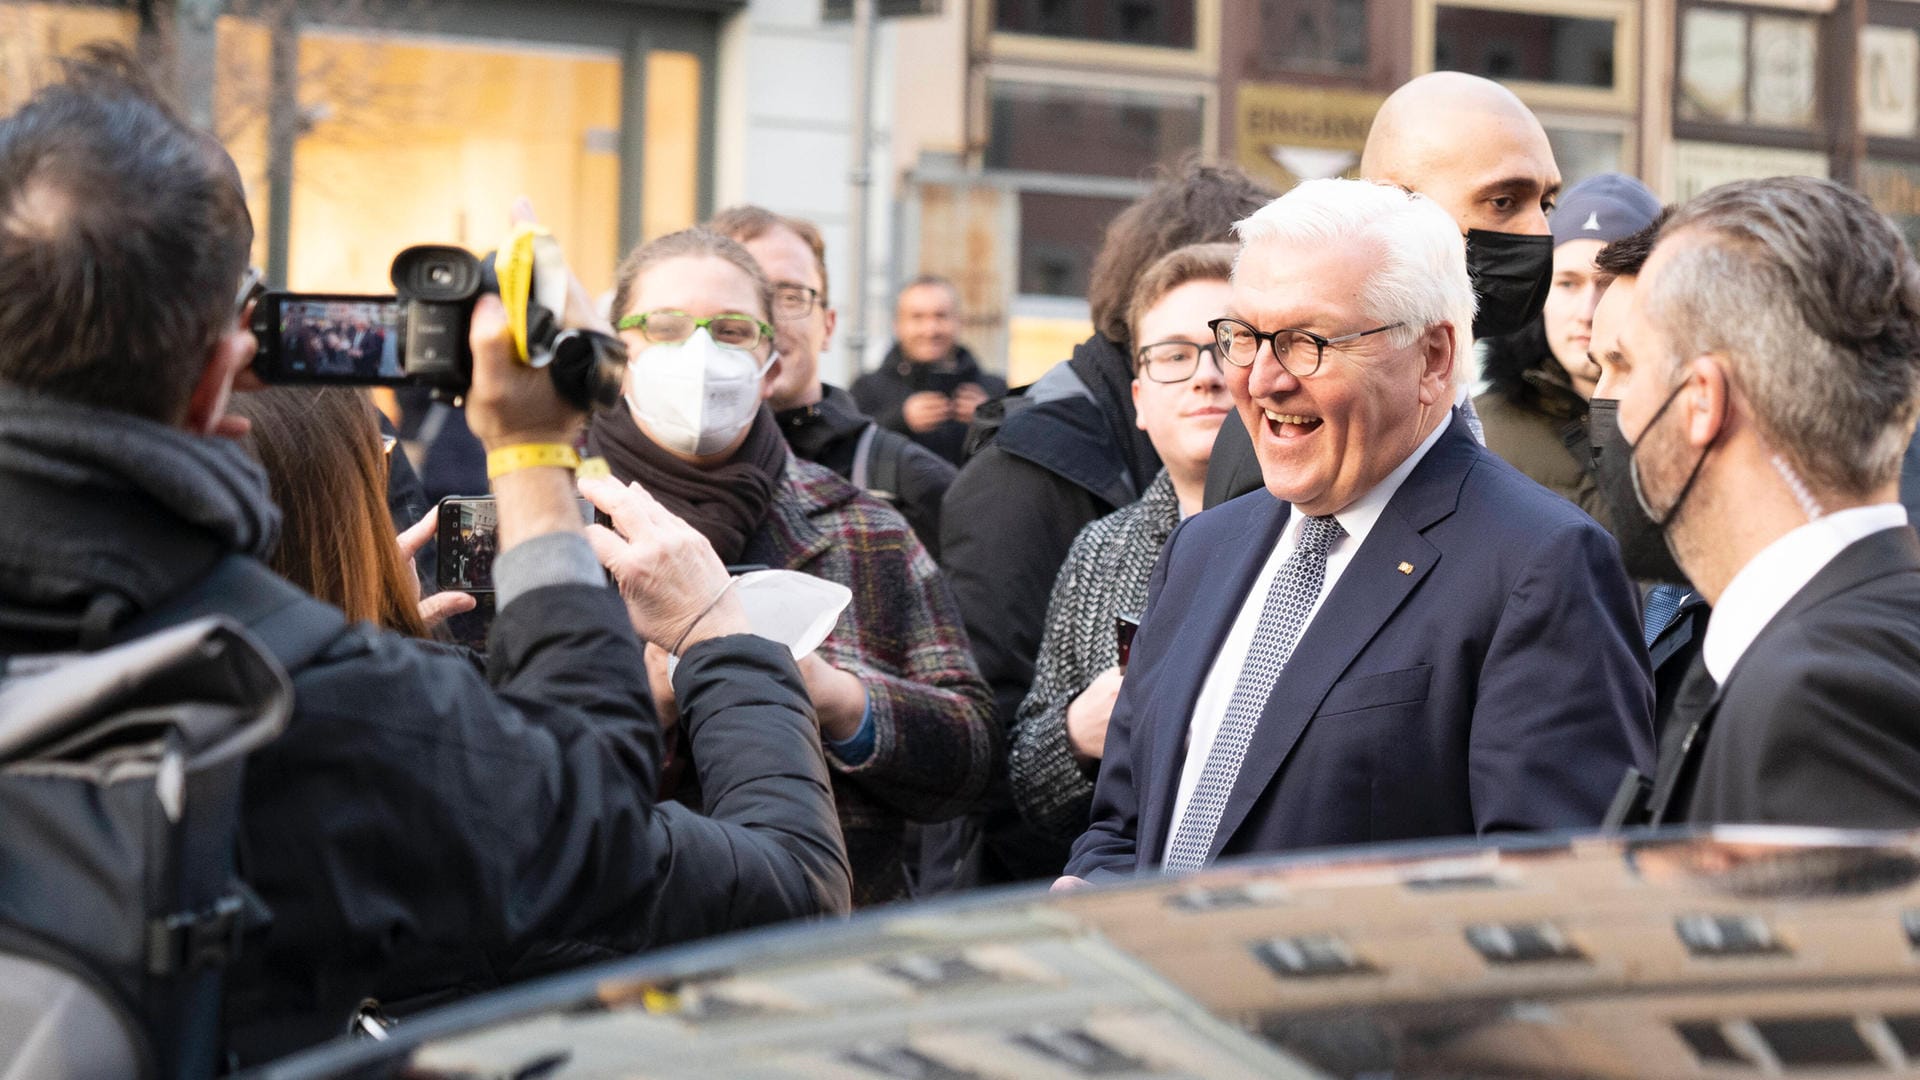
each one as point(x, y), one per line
point(1402, 636)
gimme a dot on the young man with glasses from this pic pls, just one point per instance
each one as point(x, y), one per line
point(820, 421)
point(1405, 638)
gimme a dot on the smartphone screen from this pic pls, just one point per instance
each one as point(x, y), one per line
point(468, 540)
point(328, 338)
point(1124, 627)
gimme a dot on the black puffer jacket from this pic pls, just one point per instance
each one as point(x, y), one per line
point(883, 392)
point(416, 829)
point(833, 432)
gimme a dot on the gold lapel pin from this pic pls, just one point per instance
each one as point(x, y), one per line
point(1406, 568)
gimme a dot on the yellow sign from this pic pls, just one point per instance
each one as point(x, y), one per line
point(1286, 134)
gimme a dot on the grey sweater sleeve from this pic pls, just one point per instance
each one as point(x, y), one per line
point(1050, 787)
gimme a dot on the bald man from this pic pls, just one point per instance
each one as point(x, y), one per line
point(1470, 145)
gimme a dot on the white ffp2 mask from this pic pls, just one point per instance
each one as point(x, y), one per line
point(695, 395)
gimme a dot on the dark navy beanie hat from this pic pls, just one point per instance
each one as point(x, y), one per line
point(1608, 207)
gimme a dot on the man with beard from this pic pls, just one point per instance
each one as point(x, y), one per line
point(1470, 145)
point(1767, 378)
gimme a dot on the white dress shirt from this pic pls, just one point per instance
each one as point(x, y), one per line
point(1210, 709)
point(1776, 575)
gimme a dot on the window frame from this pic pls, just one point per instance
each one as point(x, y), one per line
point(1623, 97)
point(1203, 59)
point(1747, 133)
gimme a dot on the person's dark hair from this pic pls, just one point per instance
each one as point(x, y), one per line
point(1182, 266)
point(123, 237)
point(1624, 257)
point(1191, 203)
point(322, 452)
point(1813, 299)
point(747, 222)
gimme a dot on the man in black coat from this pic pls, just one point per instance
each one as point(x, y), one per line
point(929, 385)
point(821, 422)
point(417, 828)
point(1768, 380)
point(1066, 450)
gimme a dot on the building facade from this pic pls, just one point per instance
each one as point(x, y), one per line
point(1006, 133)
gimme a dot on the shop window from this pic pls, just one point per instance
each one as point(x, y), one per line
point(1511, 45)
point(1160, 23)
point(1079, 130)
point(1748, 68)
point(1313, 36)
point(1581, 153)
point(1059, 236)
point(33, 37)
point(670, 171)
point(412, 140)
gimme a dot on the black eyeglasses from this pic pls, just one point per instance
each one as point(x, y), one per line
point(1240, 344)
point(1173, 361)
point(794, 301)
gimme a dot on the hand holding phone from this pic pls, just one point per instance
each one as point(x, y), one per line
point(1124, 627)
point(468, 540)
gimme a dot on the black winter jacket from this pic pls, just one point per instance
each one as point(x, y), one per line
point(832, 433)
point(883, 392)
point(415, 829)
point(1067, 453)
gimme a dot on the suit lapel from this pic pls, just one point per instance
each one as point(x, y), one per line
point(1223, 585)
point(1369, 591)
point(1889, 551)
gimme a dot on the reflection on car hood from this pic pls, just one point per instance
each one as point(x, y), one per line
point(1732, 952)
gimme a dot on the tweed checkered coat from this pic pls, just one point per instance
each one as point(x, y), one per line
point(935, 739)
point(1105, 575)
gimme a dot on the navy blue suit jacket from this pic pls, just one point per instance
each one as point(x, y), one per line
point(1478, 667)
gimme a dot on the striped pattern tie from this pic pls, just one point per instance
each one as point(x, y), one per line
point(1663, 603)
point(1290, 599)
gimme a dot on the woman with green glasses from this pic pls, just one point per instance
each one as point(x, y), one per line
point(903, 713)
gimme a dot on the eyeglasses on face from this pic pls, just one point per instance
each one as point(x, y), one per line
point(794, 301)
point(1173, 361)
point(669, 327)
point(1299, 351)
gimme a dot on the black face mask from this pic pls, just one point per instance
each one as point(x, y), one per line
point(1510, 275)
point(1643, 543)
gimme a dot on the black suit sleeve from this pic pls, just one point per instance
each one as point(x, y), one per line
point(1233, 470)
point(1565, 700)
point(1824, 733)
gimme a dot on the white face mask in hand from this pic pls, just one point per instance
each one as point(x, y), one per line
point(694, 396)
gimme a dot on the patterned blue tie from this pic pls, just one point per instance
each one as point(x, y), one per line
point(1291, 597)
point(1663, 603)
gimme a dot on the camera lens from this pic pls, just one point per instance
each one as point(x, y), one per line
point(440, 275)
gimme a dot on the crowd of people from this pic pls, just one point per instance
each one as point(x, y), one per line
point(1659, 571)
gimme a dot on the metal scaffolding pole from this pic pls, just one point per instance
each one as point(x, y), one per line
point(860, 179)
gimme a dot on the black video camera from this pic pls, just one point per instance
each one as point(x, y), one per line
point(418, 337)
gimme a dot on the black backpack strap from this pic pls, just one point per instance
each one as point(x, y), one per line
point(294, 627)
point(883, 464)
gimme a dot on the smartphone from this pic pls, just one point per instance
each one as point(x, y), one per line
point(328, 338)
point(467, 537)
point(1124, 627)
